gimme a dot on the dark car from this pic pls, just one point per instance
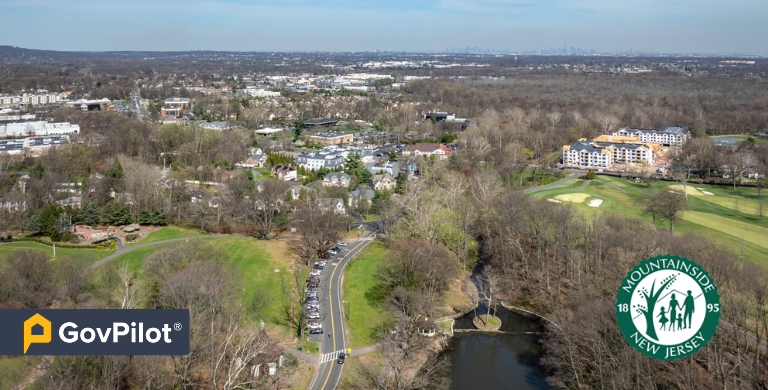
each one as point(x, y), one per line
point(325, 256)
point(341, 358)
point(315, 331)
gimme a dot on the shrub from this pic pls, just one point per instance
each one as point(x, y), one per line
point(590, 175)
point(55, 236)
point(73, 239)
point(112, 245)
point(100, 248)
point(68, 237)
point(131, 237)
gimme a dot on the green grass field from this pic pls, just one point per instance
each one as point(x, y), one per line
point(359, 277)
point(89, 255)
point(727, 216)
point(13, 369)
point(169, 232)
point(256, 262)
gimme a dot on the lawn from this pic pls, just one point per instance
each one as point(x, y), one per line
point(255, 261)
point(263, 173)
point(169, 232)
point(13, 369)
point(729, 211)
point(88, 255)
point(364, 316)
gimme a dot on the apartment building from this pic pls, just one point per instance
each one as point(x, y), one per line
point(587, 155)
point(317, 160)
point(667, 136)
point(28, 98)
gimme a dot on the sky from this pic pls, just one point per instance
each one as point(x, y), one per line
point(666, 26)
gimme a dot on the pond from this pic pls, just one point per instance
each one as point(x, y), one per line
point(492, 361)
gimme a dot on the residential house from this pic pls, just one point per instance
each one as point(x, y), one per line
point(383, 182)
point(284, 172)
point(317, 160)
point(332, 204)
point(74, 201)
point(14, 201)
point(440, 150)
point(256, 160)
point(337, 179)
point(359, 195)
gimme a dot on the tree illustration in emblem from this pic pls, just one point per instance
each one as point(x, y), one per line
point(650, 300)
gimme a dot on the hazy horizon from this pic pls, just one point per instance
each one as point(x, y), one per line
point(685, 26)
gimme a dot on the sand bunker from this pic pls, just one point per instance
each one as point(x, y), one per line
point(554, 201)
point(706, 193)
point(595, 203)
point(690, 190)
point(700, 189)
point(575, 198)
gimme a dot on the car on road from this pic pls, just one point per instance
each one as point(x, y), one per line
point(315, 331)
point(314, 325)
point(341, 358)
point(341, 243)
point(313, 316)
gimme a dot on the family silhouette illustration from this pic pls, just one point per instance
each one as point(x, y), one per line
point(683, 320)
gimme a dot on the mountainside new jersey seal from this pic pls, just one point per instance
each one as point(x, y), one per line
point(668, 307)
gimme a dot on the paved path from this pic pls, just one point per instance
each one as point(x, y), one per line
point(557, 183)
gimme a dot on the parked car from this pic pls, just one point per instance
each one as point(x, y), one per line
point(325, 256)
point(315, 331)
point(314, 325)
point(313, 316)
point(342, 357)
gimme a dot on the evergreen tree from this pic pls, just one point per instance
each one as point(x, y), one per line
point(145, 218)
point(355, 167)
point(115, 171)
point(158, 218)
point(392, 154)
point(400, 186)
point(48, 216)
point(63, 225)
point(37, 171)
point(33, 223)
point(89, 214)
point(108, 212)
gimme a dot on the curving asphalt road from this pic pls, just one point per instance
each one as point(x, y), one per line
point(328, 373)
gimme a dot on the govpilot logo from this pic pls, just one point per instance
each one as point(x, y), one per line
point(95, 332)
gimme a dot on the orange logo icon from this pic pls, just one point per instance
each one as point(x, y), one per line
point(30, 338)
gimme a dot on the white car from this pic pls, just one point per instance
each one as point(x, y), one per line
point(313, 316)
point(341, 243)
point(315, 273)
point(314, 325)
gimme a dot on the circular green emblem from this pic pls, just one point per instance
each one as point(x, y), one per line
point(668, 307)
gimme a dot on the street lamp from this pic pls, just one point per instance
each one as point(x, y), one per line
point(348, 307)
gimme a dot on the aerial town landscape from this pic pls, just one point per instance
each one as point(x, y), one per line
point(454, 218)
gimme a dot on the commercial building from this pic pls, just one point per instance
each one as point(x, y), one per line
point(90, 105)
point(419, 149)
point(257, 92)
point(668, 135)
point(170, 111)
point(440, 116)
point(22, 129)
point(331, 138)
point(177, 102)
point(32, 146)
point(319, 123)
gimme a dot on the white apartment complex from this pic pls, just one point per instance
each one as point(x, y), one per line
point(29, 98)
point(592, 154)
point(668, 135)
point(587, 155)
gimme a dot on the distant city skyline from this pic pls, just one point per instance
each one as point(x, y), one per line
point(522, 26)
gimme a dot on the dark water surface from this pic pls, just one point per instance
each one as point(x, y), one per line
point(488, 361)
